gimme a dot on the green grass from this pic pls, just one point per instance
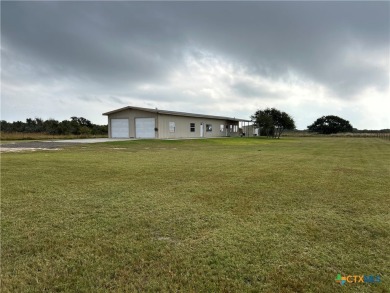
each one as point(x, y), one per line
point(215, 215)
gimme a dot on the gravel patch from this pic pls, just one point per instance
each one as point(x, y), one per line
point(53, 145)
point(32, 146)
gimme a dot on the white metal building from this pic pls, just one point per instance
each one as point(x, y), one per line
point(136, 122)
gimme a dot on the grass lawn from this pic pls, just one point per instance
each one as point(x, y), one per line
point(215, 215)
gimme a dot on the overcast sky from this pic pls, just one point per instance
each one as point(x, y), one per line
point(309, 59)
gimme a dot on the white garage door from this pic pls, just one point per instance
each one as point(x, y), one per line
point(144, 127)
point(120, 128)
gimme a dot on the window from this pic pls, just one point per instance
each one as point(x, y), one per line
point(209, 128)
point(192, 127)
point(235, 128)
point(221, 127)
point(172, 126)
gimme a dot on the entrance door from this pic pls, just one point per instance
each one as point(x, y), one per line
point(201, 130)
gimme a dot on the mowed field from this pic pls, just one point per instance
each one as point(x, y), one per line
point(215, 215)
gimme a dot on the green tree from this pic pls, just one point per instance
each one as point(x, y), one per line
point(264, 121)
point(273, 121)
point(330, 124)
point(34, 125)
point(84, 130)
point(5, 126)
point(51, 126)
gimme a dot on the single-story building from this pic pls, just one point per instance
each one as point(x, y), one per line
point(136, 122)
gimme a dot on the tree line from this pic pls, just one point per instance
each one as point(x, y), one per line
point(76, 126)
point(272, 122)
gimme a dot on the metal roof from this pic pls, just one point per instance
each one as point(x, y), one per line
point(166, 112)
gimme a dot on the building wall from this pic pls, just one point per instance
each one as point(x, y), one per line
point(181, 123)
point(131, 115)
point(182, 127)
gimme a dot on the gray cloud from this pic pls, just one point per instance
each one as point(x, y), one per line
point(98, 41)
point(250, 91)
point(308, 37)
point(96, 49)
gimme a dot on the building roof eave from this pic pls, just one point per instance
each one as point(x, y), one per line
point(175, 113)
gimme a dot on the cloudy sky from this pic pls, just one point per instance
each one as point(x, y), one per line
point(309, 59)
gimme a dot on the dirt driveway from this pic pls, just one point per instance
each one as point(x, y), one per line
point(49, 145)
point(32, 146)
